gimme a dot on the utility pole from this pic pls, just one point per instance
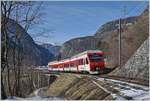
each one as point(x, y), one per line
point(38, 79)
point(120, 43)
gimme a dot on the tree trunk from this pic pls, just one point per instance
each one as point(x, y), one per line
point(3, 94)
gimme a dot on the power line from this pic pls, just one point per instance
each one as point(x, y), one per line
point(136, 8)
point(119, 36)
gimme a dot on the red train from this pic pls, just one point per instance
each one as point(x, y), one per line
point(91, 61)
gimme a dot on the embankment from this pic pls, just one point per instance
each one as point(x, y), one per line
point(75, 87)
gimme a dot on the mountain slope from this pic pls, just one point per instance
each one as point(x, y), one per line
point(31, 53)
point(114, 25)
point(132, 37)
point(134, 33)
point(78, 45)
point(137, 65)
point(54, 49)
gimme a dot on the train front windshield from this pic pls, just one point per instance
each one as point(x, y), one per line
point(96, 58)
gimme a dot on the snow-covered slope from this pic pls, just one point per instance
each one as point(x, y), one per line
point(128, 91)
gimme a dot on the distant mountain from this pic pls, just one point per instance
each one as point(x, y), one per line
point(54, 49)
point(31, 53)
point(134, 32)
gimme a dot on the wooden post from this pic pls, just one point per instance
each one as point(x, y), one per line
point(38, 80)
point(120, 43)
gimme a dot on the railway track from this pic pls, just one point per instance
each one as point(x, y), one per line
point(121, 88)
point(124, 79)
point(102, 75)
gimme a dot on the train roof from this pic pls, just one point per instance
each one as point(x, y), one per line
point(75, 56)
point(85, 52)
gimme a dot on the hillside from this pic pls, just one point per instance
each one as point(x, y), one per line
point(78, 45)
point(113, 25)
point(137, 66)
point(70, 86)
point(134, 33)
point(132, 37)
point(31, 53)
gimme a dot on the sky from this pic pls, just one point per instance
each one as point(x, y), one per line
point(64, 20)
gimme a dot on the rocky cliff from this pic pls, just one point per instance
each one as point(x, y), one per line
point(30, 52)
point(137, 66)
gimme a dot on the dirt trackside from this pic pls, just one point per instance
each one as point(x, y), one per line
point(73, 87)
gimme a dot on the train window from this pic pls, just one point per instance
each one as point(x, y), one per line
point(86, 61)
point(96, 58)
point(70, 64)
point(81, 61)
point(78, 62)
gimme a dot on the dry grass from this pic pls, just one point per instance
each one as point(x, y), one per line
point(71, 87)
point(28, 82)
point(61, 84)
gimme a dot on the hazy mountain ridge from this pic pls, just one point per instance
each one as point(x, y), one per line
point(54, 49)
point(32, 54)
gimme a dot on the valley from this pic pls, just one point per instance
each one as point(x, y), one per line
point(31, 71)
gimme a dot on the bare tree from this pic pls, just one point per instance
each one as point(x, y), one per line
point(28, 21)
point(28, 13)
point(12, 9)
point(6, 8)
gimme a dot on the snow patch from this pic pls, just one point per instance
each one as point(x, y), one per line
point(134, 91)
point(38, 96)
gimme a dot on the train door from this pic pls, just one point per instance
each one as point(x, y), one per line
point(86, 65)
point(80, 66)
